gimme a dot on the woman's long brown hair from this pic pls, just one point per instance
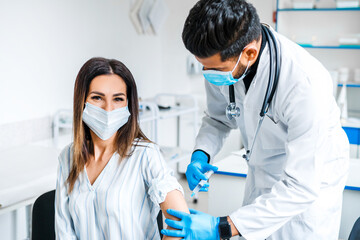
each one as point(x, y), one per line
point(83, 146)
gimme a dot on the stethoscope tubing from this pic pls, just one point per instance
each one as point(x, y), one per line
point(231, 94)
point(271, 87)
point(273, 79)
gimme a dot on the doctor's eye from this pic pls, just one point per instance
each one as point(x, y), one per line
point(96, 98)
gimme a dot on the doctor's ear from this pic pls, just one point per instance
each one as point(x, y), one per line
point(251, 52)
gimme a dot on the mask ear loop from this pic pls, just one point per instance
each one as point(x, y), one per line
point(237, 61)
point(247, 66)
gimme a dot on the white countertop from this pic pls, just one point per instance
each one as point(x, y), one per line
point(351, 122)
point(28, 171)
point(235, 165)
point(59, 143)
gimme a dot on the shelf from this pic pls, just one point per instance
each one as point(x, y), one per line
point(354, 85)
point(175, 154)
point(317, 9)
point(330, 47)
point(146, 116)
point(180, 158)
point(176, 111)
point(65, 125)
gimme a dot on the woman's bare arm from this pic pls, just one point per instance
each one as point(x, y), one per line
point(174, 200)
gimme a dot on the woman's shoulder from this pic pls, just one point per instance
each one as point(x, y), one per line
point(142, 143)
point(66, 154)
point(141, 146)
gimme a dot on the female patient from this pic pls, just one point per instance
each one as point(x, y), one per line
point(111, 179)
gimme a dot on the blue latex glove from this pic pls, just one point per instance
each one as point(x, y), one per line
point(196, 225)
point(196, 169)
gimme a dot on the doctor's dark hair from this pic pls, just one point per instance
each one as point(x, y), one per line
point(83, 146)
point(220, 26)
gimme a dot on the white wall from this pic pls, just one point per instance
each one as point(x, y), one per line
point(265, 10)
point(174, 53)
point(43, 44)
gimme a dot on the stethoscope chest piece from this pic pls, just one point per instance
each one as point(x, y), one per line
point(232, 111)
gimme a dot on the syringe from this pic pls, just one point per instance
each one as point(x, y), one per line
point(202, 183)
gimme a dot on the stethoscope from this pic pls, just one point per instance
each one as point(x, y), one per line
point(232, 111)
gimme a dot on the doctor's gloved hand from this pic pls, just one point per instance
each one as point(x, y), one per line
point(196, 225)
point(196, 169)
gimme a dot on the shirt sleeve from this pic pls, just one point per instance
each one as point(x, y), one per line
point(215, 126)
point(158, 176)
point(64, 227)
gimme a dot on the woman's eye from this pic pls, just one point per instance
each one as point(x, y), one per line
point(118, 99)
point(96, 98)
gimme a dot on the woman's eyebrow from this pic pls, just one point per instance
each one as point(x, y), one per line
point(119, 94)
point(99, 93)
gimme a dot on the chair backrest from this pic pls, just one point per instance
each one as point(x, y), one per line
point(355, 232)
point(43, 218)
point(160, 223)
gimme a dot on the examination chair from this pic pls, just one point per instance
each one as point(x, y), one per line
point(43, 218)
point(355, 232)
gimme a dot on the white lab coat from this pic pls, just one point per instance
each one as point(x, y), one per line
point(299, 164)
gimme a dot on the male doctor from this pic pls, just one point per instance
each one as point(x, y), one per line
point(299, 160)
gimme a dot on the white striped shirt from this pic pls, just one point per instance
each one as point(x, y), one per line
point(122, 203)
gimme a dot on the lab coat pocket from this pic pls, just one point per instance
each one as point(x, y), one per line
point(271, 135)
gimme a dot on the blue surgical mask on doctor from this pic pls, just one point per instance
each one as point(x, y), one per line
point(103, 123)
point(220, 78)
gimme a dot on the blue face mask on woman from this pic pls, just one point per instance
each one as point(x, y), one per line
point(220, 78)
